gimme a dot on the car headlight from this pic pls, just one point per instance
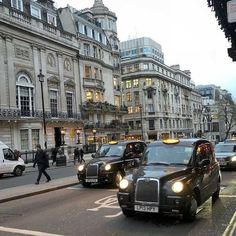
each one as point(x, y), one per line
point(124, 183)
point(233, 158)
point(107, 167)
point(177, 187)
point(80, 167)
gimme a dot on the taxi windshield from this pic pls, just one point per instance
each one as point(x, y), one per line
point(167, 155)
point(225, 148)
point(110, 150)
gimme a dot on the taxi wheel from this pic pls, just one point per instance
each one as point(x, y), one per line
point(17, 171)
point(86, 185)
point(128, 213)
point(117, 179)
point(191, 211)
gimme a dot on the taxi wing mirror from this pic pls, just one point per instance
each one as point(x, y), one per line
point(93, 155)
point(205, 162)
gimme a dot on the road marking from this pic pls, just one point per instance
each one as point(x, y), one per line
point(74, 188)
point(231, 196)
point(26, 232)
point(113, 216)
point(229, 231)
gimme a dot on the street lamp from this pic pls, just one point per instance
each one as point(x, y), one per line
point(78, 136)
point(41, 80)
point(141, 118)
point(94, 135)
point(63, 132)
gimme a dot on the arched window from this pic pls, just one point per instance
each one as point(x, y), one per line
point(24, 95)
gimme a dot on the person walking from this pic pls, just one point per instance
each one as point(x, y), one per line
point(54, 155)
point(76, 155)
point(81, 155)
point(41, 159)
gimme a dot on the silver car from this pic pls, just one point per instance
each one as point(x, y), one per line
point(226, 155)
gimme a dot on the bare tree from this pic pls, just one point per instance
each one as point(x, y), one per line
point(230, 117)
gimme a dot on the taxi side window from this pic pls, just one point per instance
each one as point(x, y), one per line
point(234, 149)
point(204, 152)
point(129, 151)
point(9, 155)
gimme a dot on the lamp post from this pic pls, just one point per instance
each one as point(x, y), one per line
point(141, 118)
point(63, 132)
point(41, 80)
point(78, 136)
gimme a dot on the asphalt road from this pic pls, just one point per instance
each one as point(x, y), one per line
point(77, 211)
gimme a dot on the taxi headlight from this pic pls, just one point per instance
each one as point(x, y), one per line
point(107, 167)
point(80, 167)
point(233, 158)
point(124, 183)
point(177, 187)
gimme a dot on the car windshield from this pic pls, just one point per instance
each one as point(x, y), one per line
point(111, 150)
point(167, 155)
point(225, 148)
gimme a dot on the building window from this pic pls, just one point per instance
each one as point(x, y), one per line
point(24, 96)
point(128, 97)
point(148, 82)
point(89, 96)
point(145, 66)
point(69, 104)
point(149, 94)
point(18, 4)
point(136, 96)
point(96, 73)
point(151, 125)
point(53, 102)
point(98, 97)
point(128, 84)
point(161, 124)
point(135, 83)
point(95, 52)
point(87, 72)
point(35, 137)
point(35, 12)
point(86, 49)
point(52, 20)
point(24, 139)
point(85, 30)
point(136, 67)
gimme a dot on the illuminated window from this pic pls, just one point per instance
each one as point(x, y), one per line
point(98, 97)
point(128, 97)
point(148, 82)
point(89, 95)
point(87, 72)
point(135, 83)
point(128, 84)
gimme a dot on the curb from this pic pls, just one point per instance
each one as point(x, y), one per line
point(37, 192)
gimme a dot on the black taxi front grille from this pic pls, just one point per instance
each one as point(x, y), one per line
point(92, 170)
point(147, 190)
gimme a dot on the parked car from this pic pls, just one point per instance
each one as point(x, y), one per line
point(226, 155)
point(175, 176)
point(9, 163)
point(110, 162)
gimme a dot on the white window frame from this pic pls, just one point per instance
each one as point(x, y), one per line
point(53, 17)
point(18, 4)
point(34, 8)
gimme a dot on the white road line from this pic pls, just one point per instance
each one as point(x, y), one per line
point(229, 231)
point(113, 216)
point(230, 196)
point(26, 232)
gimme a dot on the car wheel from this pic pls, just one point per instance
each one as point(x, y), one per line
point(86, 185)
point(191, 211)
point(118, 177)
point(128, 213)
point(1, 175)
point(17, 171)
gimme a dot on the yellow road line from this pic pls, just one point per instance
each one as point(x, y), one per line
point(229, 231)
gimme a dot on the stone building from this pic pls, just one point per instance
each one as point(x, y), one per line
point(160, 98)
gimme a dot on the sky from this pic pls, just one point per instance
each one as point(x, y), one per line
point(186, 29)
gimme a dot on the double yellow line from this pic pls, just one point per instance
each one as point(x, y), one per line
point(231, 228)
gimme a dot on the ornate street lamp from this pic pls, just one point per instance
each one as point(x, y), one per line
point(78, 136)
point(63, 132)
point(141, 118)
point(94, 135)
point(41, 80)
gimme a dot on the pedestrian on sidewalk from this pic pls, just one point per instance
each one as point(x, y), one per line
point(54, 155)
point(76, 155)
point(41, 159)
point(81, 155)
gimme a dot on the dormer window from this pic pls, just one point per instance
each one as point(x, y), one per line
point(52, 19)
point(18, 4)
point(35, 12)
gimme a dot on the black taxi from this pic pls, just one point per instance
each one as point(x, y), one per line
point(175, 176)
point(110, 162)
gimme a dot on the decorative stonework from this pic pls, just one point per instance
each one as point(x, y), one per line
point(22, 52)
point(51, 60)
point(67, 65)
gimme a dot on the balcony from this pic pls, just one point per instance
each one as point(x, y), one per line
point(93, 83)
point(17, 114)
point(103, 107)
point(113, 125)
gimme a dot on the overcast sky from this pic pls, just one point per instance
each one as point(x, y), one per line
point(187, 30)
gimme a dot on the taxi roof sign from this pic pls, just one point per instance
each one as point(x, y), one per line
point(170, 141)
point(113, 142)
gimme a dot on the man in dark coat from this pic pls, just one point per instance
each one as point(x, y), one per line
point(54, 155)
point(76, 155)
point(41, 159)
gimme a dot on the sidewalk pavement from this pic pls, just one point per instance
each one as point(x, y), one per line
point(28, 190)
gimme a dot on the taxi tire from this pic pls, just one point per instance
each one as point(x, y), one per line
point(191, 211)
point(128, 213)
point(86, 185)
point(17, 171)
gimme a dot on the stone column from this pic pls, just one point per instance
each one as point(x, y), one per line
point(77, 84)
point(3, 73)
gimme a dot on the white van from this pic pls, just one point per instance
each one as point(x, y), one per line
point(9, 163)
